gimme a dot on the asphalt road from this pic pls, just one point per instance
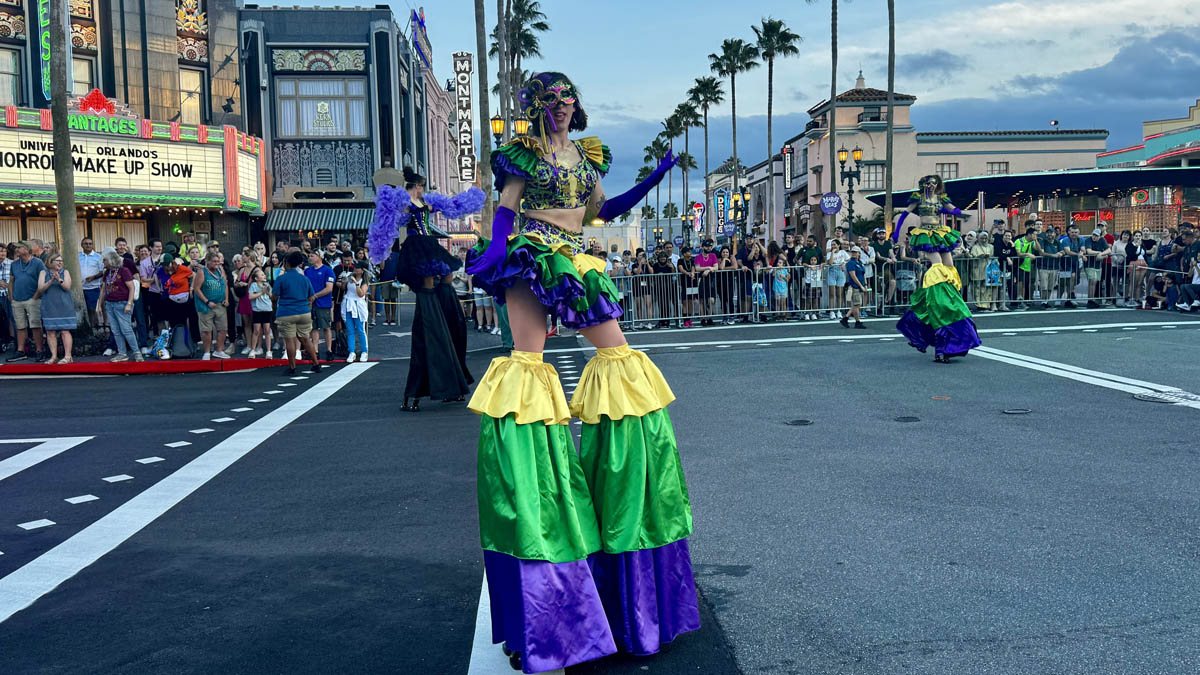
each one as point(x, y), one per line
point(341, 534)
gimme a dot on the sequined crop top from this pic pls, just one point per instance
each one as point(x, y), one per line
point(419, 222)
point(547, 186)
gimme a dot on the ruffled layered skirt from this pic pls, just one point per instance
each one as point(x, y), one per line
point(422, 256)
point(937, 239)
point(938, 315)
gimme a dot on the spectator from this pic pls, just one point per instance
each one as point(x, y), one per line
point(293, 295)
point(91, 269)
point(868, 260)
point(261, 313)
point(706, 266)
point(371, 274)
point(664, 298)
point(1096, 249)
point(1189, 294)
point(485, 313)
point(835, 277)
point(839, 236)
point(812, 282)
point(1119, 260)
point(241, 299)
point(671, 254)
point(7, 329)
point(152, 295)
point(211, 294)
point(122, 246)
point(1048, 264)
point(885, 267)
point(118, 296)
point(1025, 247)
point(27, 311)
point(37, 248)
point(461, 281)
point(753, 260)
point(981, 255)
point(332, 255)
point(322, 280)
point(354, 314)
point(642, 271)
point(58, 308)
point(1164, 293)
point(195, 257)
point(1006, 255)
point(140, 300)
point(780, 282)
point(177, 293)
point(1072, 250)
point(855, 271)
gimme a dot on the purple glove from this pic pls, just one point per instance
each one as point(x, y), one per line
point(899, 223)
point(615, 206)
point(502, 226)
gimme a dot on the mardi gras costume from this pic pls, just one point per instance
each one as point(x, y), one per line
point(434, 369)
point(583, 553)
point(938, 315)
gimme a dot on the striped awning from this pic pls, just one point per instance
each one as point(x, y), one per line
point(326, 220)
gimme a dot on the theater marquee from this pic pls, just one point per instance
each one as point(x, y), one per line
point(122, 159)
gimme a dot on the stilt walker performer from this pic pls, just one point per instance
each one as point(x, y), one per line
point(938, 315)
point(434, 369)
point(548, 517)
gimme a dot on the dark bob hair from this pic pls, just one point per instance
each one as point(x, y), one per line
point(412, 178)
point(526, 94)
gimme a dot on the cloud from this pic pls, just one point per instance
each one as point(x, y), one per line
point(797, 95)
point(936, 64)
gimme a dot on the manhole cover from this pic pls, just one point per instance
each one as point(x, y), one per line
point(940, 398)
point(799, 423)
point(1017, 411)
point(1176, 396)
point(908, 419)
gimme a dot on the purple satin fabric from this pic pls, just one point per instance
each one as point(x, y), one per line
point(955, 339)
point(521, 265)
point(930, 248)
point(550, 612)
point(648, 595)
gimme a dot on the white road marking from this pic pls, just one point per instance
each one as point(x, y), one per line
point(149, 460)
point(240, 409)
point(1170, 326)
point(81, 499)
point(118, 478)
point(274, 391)
point(286, 384)
point(202, 430)
point(763, 344)
point(24, 586)
point(572, 377)
point(846, 340)
point(724, 346)
point(222, 420)
point(684, 347)
point(488, 658)
point(299, 377)
point(259, 400)
point(177, 444)
point(35, 524)
point(1049, 332)
point(1003, 333)
point(1089, 330)
point(1131, 328)
point(44, 450)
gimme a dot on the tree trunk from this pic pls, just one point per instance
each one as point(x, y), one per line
point(770, 150)
point(64, 169)
point(670, 182)
point(832, 113)
point(485, 137)
point(684, 173)
point(733, 113)
point(891, 107)
point(502, 66)
point(710, 218)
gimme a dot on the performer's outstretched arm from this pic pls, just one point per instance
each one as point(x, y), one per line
point(502, 226)
point(614, 207)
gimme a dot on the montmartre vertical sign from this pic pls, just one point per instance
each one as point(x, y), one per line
point(463, 67)
point(43, 13)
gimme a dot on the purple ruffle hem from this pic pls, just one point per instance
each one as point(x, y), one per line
point(955, 339)
point(503, 167)
point(930, 248)
point(550, 612)
point(521, 265)
point(648, 595)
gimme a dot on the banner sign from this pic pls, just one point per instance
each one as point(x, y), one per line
point(721, 204)
point(463, 67)
point(421, 38)
point(831, 203)
point(1083, 217)
point(787, 167)
point(43, 19)
point(697, 216)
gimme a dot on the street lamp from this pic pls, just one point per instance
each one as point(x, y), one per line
point(683, 224)
point(745, 212)
point(497, 128)
point(849, 177)
point(520, 125)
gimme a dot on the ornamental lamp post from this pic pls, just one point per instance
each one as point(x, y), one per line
point(520, 125)
point(745, 210)
point(849, 176)
point(497, 128)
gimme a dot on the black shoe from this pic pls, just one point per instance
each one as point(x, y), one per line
point(1069, 305)
point(845, 322)
point(316, 367)
point(1092, 304)
point(414, 407)
point(19, 356)
point(941, 358)
point(514, 660)
point(1045, 305)
point(859, 324)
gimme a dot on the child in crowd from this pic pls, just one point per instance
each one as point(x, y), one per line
point(262, 313)
point(812, 288)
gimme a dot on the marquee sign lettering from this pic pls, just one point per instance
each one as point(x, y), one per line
point(463, 67)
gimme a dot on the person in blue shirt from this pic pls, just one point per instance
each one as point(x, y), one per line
point(1072, 250)
point(856, 288)
point(322, 278)
point(293, 296)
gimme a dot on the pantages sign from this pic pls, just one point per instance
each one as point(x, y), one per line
point(463, 68)
point(120, 158)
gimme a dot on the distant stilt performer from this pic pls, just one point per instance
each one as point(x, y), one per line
point(938, 315)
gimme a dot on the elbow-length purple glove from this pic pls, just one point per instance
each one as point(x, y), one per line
point(615, 206)
point(502, 226)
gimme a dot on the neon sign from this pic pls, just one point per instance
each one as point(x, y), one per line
point(44, 41)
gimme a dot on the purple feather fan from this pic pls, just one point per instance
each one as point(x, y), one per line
point(391, 209)
point(459, 205)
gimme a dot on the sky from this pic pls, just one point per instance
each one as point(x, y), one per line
point(972, 64)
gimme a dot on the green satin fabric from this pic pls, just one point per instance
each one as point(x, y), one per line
point(636, 480)
point(939, 305)
point(533, 498)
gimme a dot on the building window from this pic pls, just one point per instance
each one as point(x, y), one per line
point(322, 107)
point(83, 76)
point(997, 168)
point(10, 77)
point(191, 96)
point(872, 176)
point(947, 171)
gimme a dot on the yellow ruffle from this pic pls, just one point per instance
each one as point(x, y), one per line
point(531, 142)
point(593, 149)
point(940, 230)
point(939, 273)
point(619, 381)
point(521, 384)
point(585, 263)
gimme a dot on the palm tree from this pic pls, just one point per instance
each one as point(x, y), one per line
point(891, 107)
point(525, 21)
point(688, 117)
point(705, 94)
point(774, 39)
point(485, 144)
point(686, 163)
point(737, 56)
point(671, 129)
point(502, 48)
point(654, 153)
point(642, 174)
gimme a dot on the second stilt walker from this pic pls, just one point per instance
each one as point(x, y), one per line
point(938, 316)
point(584, 553)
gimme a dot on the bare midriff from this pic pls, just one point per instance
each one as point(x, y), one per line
point(570, 220)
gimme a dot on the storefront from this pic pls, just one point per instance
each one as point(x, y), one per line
point(134, 178)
